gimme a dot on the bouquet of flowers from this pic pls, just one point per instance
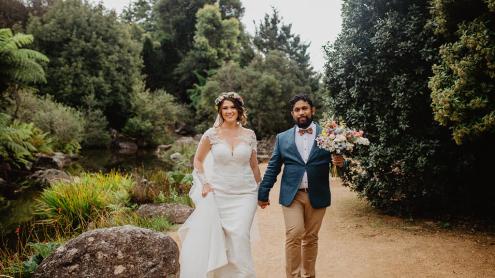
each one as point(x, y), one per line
point(339, 139)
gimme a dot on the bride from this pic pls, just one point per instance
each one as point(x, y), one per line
point(216, 237)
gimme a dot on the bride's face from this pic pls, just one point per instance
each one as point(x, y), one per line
point(228, 111)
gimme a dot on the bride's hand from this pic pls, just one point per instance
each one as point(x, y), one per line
point(206, 189)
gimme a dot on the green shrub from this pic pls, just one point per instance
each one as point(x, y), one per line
point(154, 117)
point(163, 187)
point(72, 205)
point(20, 141)
point(37, 252)
point(63, 123)
point(147, 190)
point(96, 133)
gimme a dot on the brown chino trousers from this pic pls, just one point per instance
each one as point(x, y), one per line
point(302, 224)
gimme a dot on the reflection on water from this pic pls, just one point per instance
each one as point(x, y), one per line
point(107, 160)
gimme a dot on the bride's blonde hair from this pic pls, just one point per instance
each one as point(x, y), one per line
point(238, 102)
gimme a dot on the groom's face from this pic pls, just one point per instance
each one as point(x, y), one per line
point(302, 113)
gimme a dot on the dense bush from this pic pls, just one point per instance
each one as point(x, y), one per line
point(463, 81)
point(19, 142)
point(96, 133)
point(91, 54)
point(377, 75)
point(154, 117)
point(64, 124)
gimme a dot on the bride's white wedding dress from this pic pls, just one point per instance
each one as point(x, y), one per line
point(216, 237)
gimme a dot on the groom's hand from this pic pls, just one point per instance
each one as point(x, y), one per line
point(263, 204)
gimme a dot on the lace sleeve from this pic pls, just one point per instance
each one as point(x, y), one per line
point(211, 134)
point(252, 141)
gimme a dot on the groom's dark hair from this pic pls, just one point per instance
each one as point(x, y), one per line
point(297, 98)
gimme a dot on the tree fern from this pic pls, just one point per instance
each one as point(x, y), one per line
point(20, 141)
point(17, 64)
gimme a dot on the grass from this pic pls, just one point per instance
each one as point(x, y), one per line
point(72, 205)
point(95, 200)
point(24, 264)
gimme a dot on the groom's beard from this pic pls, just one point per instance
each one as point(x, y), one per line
point(304, 122)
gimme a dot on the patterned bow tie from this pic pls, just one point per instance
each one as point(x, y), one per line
point(308, 130)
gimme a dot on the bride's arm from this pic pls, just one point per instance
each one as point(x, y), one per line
point(201, 152)
point(254, 165)
point(253, 161)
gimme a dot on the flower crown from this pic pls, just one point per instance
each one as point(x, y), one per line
point(231, 95)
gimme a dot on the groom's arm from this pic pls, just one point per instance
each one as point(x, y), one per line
point(271, 173)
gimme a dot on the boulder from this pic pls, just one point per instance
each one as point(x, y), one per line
point(127, 147)
point(124, 144)
point(57, 160)
point(125, 251)
point(161, 149)
point(49, 176)
point(175, 213)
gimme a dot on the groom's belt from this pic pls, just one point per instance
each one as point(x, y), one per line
point(303, 189)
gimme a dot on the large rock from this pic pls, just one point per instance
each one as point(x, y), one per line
point(125, 251)
point(49, 176)
point(175, 213)
point(162, 149)
point(124, 144)
point(57, 160)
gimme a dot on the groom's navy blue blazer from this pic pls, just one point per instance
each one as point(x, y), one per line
point(317, 168)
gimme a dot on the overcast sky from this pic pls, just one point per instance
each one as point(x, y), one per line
point(316, 21)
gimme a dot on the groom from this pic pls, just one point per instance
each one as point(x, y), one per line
point(305, 187)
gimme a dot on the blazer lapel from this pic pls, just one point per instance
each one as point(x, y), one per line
point(293, 146)
point(314, 148)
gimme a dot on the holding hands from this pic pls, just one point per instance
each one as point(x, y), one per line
point(263, 204)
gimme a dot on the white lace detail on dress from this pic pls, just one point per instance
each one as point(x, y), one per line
point(247, 136)
point(212, 136)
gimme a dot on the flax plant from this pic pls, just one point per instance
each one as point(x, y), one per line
point(71, 206)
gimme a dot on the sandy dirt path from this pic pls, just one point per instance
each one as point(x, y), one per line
point(357, 241)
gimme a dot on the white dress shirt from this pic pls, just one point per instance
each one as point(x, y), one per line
point(304, 144)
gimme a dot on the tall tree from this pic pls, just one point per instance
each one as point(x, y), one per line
point(377, 73)
point(463, 81)
point(91, 53)
point(176, 31)
point(273, 34)
point(216, 42)
point(178, 18)
point(141, 12)
point(266, 84)
point(15, 14)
